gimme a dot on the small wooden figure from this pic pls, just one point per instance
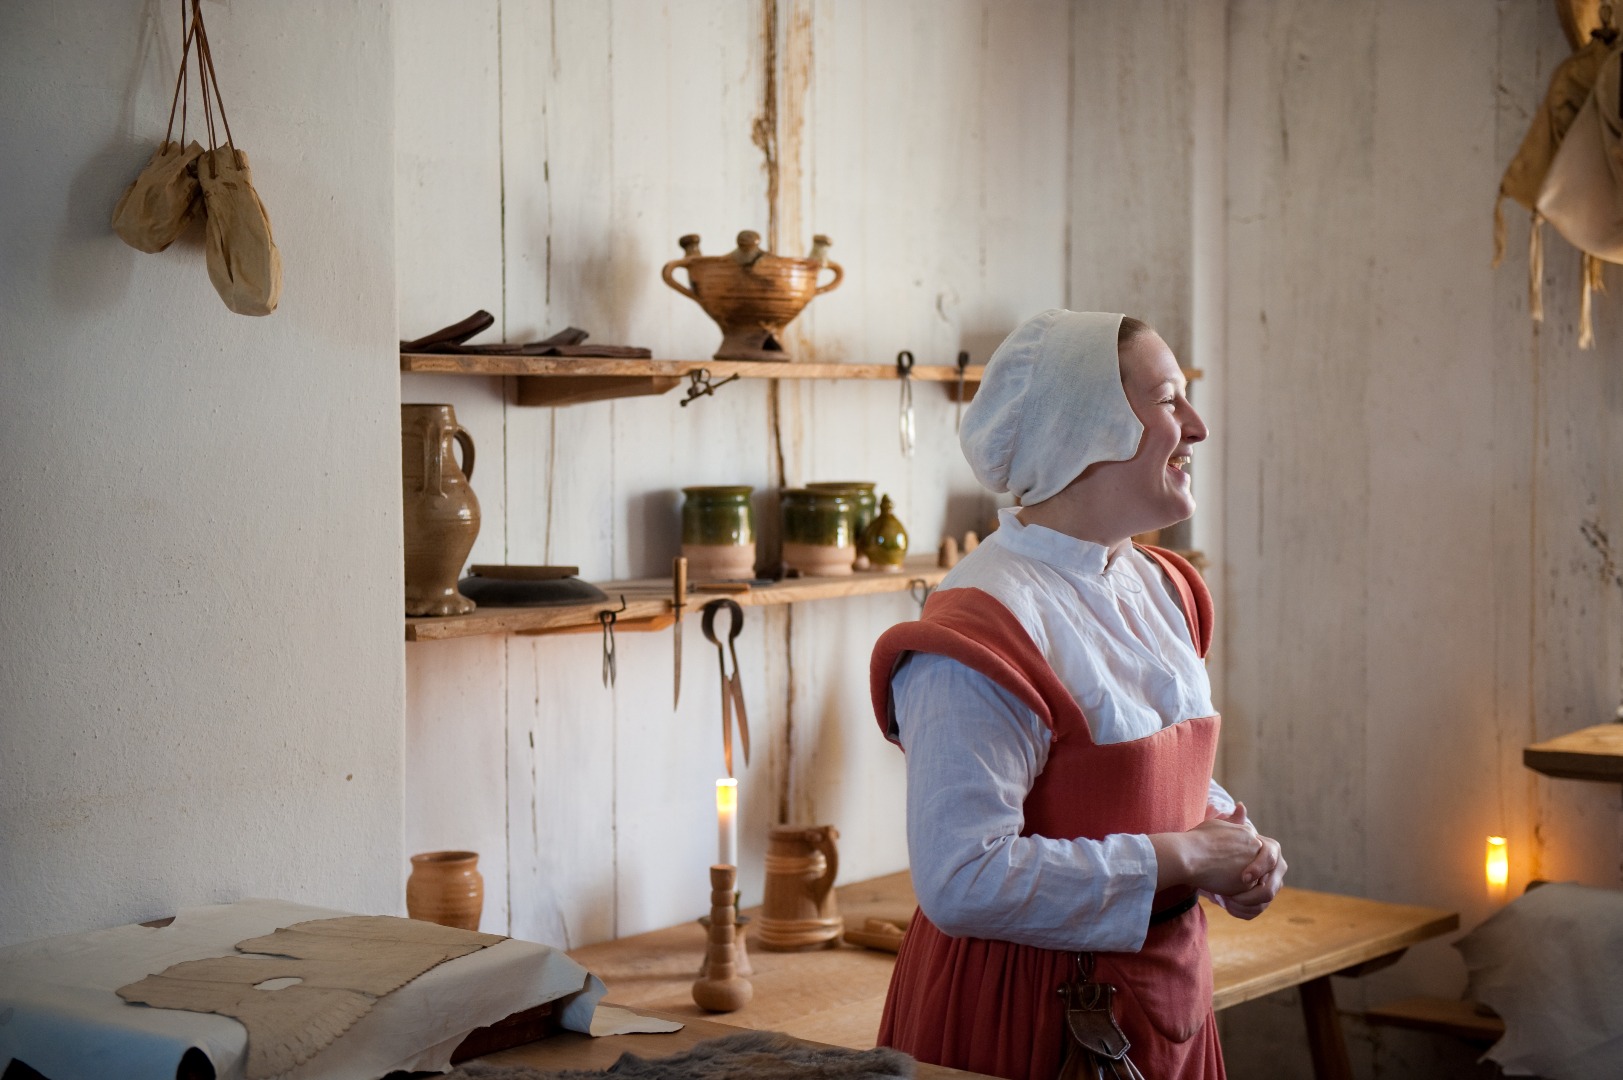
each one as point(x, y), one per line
point(946, 555)
point(721, 988)
point(972, 540)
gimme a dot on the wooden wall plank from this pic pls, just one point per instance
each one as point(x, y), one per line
point(448, 244)
point(1300, 198)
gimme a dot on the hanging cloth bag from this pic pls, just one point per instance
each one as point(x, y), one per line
point(163, 198)
point(244, 263)
point(1570, 87)
point(1583, 191)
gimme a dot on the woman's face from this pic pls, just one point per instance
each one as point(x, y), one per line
point(1151, 490)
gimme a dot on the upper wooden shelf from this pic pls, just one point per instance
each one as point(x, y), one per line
point(1594, 753)
point(554, 380)
point(648, 603)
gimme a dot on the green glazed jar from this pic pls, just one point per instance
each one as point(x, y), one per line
point(884, 542)
point(718, 533)
point(818, 538)
point(864, 504)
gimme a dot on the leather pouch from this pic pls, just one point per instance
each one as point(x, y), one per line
point(1095, 1045)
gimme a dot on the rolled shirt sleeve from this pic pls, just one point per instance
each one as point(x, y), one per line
point(973, 753)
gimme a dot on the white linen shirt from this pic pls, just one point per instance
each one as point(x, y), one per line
point(1115, 634)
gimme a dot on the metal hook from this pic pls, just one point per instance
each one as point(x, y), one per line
point(904, 371)
point(920, 591)
point(699, 385)
point(607, 618)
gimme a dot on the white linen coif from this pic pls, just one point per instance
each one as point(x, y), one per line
point(1050, 404)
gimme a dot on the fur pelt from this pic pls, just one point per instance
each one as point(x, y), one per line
point(753, 1055)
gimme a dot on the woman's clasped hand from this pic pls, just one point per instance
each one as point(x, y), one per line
point(1226, 857)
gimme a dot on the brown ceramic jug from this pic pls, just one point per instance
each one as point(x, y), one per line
point(446, 887)
point(799, 910)
point(441, 511)
point(752, 294)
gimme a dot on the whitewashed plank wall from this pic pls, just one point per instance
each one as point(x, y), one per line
point(1404, 468)
point(550, 156)
point(1409, 466)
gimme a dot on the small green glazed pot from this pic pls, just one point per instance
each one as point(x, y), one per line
point(864, 505)
point(822, 518)
point(718, 516)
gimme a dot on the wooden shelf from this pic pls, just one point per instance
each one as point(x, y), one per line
point(1594, 753)
point(648, 602)
point(574, 380)
point(554, 380)
point(1463, 1019)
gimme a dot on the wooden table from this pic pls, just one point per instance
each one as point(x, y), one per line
point(836, 995)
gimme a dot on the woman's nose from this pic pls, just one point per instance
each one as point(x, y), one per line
point(1194, 428)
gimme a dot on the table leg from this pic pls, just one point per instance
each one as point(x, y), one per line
point(1324, 1039)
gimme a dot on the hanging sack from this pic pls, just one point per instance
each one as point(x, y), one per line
point(1583, 191)
point(1582, 195)
point(1570, 87)
point(243, 262)
point(163, 198)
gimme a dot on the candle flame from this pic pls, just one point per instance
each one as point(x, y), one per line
point(726, 794)
point(1498, 864)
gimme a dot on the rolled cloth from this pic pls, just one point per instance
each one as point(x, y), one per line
point(1050, 404)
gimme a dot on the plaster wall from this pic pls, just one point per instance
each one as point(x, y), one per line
point(200, 651)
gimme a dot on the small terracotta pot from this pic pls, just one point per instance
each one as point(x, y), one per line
point(446, 887)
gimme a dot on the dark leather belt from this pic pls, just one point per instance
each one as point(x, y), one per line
point(1167, 914)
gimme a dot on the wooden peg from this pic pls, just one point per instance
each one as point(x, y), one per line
point(972, 540)
point(946, 555)
point(721, 988)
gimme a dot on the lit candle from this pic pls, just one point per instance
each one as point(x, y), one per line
point(1498, 868)
point(727, 822)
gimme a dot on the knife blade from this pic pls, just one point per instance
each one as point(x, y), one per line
point(679, 581)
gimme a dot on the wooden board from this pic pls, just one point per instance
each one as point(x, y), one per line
point(650, 598)
point(1465, 1019)
point(1593, 753)
point(835, 995)
point(486, 364)
point(1305, 935)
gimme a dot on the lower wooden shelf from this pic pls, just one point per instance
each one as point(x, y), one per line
point(648, 601)
point(1593, 753)
point(1463, 1019)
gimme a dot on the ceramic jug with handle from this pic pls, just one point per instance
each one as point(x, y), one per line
point(441, 511)
point(799, 909)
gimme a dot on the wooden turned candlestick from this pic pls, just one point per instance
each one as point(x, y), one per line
point(721, 988)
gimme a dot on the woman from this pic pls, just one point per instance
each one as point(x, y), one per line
point(1059, 730)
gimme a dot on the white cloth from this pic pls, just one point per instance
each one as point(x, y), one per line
point(1049, 405)
point(59, 1012)
point(1116, 636)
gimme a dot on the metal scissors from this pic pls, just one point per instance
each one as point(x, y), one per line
point(732, 689)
